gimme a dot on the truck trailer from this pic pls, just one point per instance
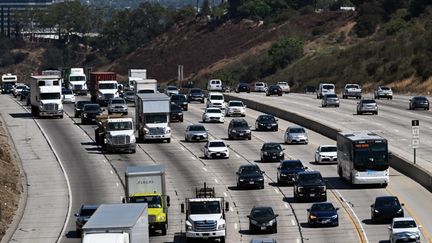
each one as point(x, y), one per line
point(152, 117)
point(146, 184)
point(103, 84)
point(134, 75)
point(117, 223)
point(45, 96)
point(145, 86)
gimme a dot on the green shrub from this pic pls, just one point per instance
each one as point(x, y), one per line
point(284, 51)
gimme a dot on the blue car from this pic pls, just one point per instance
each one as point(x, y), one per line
point(323, 214)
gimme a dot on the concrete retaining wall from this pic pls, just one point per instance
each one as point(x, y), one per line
point(405, 167)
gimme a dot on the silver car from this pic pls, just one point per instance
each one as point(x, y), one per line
point(330, 100)
point(196, 132)
point(296, 134)
point(117, 105)
point(367, 106)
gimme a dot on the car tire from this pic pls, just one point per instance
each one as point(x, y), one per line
point(279, 94)
point(249, 138)
point(76, 115)
point(168, 140)
point(202, 101)
point(109, 112)
point(324, 199)
point(267, 94)
point(376, 112)
point(164, 229)
point(337, 105)
point(274, 230)
point(181, 120)
point(251, 228)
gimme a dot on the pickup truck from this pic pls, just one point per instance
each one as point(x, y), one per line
point(352, 90)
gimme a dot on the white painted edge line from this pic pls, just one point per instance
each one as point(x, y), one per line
point(204, 168)
point(235, 225)
point(276, 190)
point(238, 156)
point(298, 240)
point(286, 205)
point(216, 180)
point(225, 194)
point(183, 148)
point(293, 222)
point(231, 209)
point(65, 175)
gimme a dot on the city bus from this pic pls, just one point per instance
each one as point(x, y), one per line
point(363, 158)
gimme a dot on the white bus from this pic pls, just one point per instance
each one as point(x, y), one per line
point(363, 158)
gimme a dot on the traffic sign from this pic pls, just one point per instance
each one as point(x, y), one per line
point(415, 143)
point(415, 123)
point(415, 131)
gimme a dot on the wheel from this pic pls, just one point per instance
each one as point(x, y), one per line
point(376, 112)
point(186, 108)
point(109, 112)
point(222, 239)
point(133, 151)
point(76, 115)
point(251, 228)
point(322, 105)
point(267, 94)
point(164, 229)
point(358, 112)
point(384, 185)
point(340, 172)
point(125, 113)
point(324, 199)
point(249, 138)
point(181, 120)
point(230, 137)
point(61, 116)
point(206, 157)
point(337, 105)
point(168, 140)
point(279, 94)
point(202, 101)
point(274, 230)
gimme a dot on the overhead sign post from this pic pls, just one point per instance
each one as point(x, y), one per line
point(415, 142)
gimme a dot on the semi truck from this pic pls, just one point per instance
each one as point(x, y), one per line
point(45, 96)
point(152, 113)
point(135, 74)
point(117, 223)
point(77, 80)
point(103, 85)
point(8, 82)
point(146, 184)
point(115, 133)
point(205, 215)
point(145, 86)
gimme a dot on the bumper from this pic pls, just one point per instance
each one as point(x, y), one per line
point(118, 110)
point(298, 140)
point(388, 217)
point(371, 180)
point(267, 127)
point(69, 101)
point(235, 112)
point(125, 147)
point(250, 184)
point(81, 92)
point(324, 221)
point(273, 157)
point(327, 160)
point(353, 94)
point(420, 106)
point(157, 225)
point(88, 119)
point(51, 113)
point(330, 103)
point(176, 117)
point(214, 119)
point(205, 235)
point(198, 138)
point(218, 155)
point(274, 93)
point(241, 135)
point(196, 98)
point(155, 137)
point(311, 195)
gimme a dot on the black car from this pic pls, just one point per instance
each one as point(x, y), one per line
point(7, 88)
point(180, 100)
point(274, 90)
point(272, 152)
point(250, 175)
point(239, 128)
point(262, 219)
point(89, 113)
point(24, 93)
point(287, 171)
point(386, 208)
point(309, 89)
point(242, 87)
point(79, 106)
point(266, 122)
point(84, 214)
point(309, 185)
point(129, 96)
point(419, 102)
point(323, 214)
point(104, 99)
point(196, 95)
point(176, 113)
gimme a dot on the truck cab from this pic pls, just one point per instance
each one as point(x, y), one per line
point(8, 83)
point(45, 95)
point(107, 89)
point(205, 215)
point(115, 134)
point(77, 80)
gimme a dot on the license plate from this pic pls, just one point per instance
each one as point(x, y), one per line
point(273, 157)
point(268, 127)
point(326, 221)
point(312, 194)
point(218, 154)
point(251, 182)
point(263, 227)
point(241, 134)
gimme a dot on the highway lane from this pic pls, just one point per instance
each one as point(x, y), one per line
point(411, 193)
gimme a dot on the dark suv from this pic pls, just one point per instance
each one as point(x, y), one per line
point(386, 208)
point(250, 175)
point(419, 102)
point(196, 95)
point(239, 128)
point(272, 152)
point(180, 100)
point(84, 214)
point(288, 170)
point(242, 87)
point(89, 113)
point(309, 185)
point(79, 105)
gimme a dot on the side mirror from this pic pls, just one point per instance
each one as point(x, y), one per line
point(283, 148)
point(103, 109)
point(227, 206)
point(308, 209)
point(306, 168)
point(76, 215)
point(402, 204)
point(168, 201)
point(228, 145)
point(245, 106)
point(237, 173)
point(123, 200)
point(276, 215)
point(182, 208)
point(372, 206)
point(337, 209)
point(277, 119)
point(262, 172)
point(248, 216)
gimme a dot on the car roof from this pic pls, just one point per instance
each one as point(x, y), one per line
point(89, 206)
point(210, 141)
point(289, 161)
point(402, 219)
point(265, 115)
point(309, 172)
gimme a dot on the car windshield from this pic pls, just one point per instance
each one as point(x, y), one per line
point(129, 93)
point(387, 202)
point(368, 102)
point(175, 108)
point(21, 87)
point(310, 178)
point(50, 96)
point(195, 91)
point(67, 92)
point(322, 207)
point(87, 212)
point(328, 149)
point(292, 165)
point(117, 101)
point(404, 224)
point(197, 128)
point(92, 107)
point(156, 118)
point(216, 97)
point(282, 83)
point(118, 126)
point(77, 78)
point(181, 98)
point(240, 124)
point(420, 98)
point(296, 130)
point(274, 87)
point(213, 111)
point(152, 201)
point(328, 86)
point(236, 104)
point(266, 118)
point(331, 96)
point(262, 213)
point(272, 146)
point(205, 207)
point(80, 104)
point(108, 86)
point(216, 144)
point(250, 170)
point(352, 86)
point(171, 88)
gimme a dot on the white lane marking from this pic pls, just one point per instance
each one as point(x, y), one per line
point(298, 240)
point(276, 190)
point(183, 148)
point(286, 205)
point(112, 172)
point(104, 161)
point(117, 184)
point(378, 124)
point(225, 194)
point(205, 169)
point(231, 209)
point(293, 222)
point(235, 226)
point(238, 156)
point(396, 130)
point(216, 180)
point(193, 157)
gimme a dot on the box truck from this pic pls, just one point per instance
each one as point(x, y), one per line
point(77, 80)
point(152, 117)
point(134, 75)
point(117, 223)
point(145, 86)
point(146, 184)
point(45, 96)
point(8, 83)
point(103, 86)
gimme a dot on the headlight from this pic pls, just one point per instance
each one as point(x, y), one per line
point(247, 131)
point(334, 216)
point(271, 222)
point(241, 179)
point(221, 227)
point(400, 210)
point(85, 114)
point(133, 139)
point(161, 217)
point(234, 130)
point(323, 188)
point(265, 153)
point(281, 153)
point(188, 225)
point(312, 216)
point(260, 179)
point(299, 189)
point(283, 175)
point(376, 211)
point(146, 130)
point(168, 130)
point(180, 114)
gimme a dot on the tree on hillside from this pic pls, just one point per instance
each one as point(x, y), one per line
point(285, 51)
point(205, 8)
point(370, 15)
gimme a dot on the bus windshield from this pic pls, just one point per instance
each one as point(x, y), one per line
point(371, 156)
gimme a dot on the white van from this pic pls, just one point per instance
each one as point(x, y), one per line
point(216, 99)
point(325, 89)
point(214, 85)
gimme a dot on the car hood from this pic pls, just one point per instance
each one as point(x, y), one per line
point(197, 132)
point(389, 210)
point(324, 214)
point(44, 102)
point(406, 230)
point(288, 171)
point(122, 132)
point(199, 217)
point(251, 176)
point(92, 112)
point(214, 114)
point(263, 219)
point(309, 184)
point(297, 134)
point(273, 151)
point(217, 149)
point(329, 154)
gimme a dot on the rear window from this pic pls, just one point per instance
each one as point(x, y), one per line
point(117, 101)
point(215, 82)
point(297, 130)
point(331, 96)
point(369, 102)
point(328, 86)
point(259, 84)
point(217, 144)
point(216, 97)
point(385, 88)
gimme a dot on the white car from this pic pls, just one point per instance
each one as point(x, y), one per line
point(284, 86)
point(326, 154)
point(18, 88)
point(171, 90)
point(404, 230)
point(68, 96)
point(216, 149)
point(383, 92)
point(214, 85)
point(213, 114)
point(235, 107)
point(296, 134)
point(260, 87)
point(216, 99)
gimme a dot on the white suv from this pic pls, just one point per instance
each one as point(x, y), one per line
point(216, 99)
point(284, 86)
point(214, 85)
point(325, 89)
point(404, 230)
point(235, 107)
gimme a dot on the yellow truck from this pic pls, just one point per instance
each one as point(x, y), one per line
point(146, 184)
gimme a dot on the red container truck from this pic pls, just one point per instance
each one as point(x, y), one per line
point(95, 77)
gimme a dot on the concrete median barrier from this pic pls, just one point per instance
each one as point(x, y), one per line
point(415, 172)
